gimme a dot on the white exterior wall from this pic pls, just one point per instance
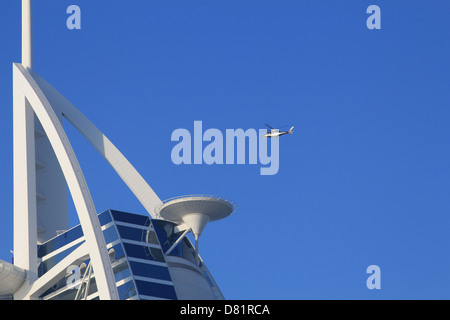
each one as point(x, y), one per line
point(188, 280)
point(25, 211)
point(51, 188)
point(11, 278)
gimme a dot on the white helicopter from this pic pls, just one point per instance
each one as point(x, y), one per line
point(274, 133)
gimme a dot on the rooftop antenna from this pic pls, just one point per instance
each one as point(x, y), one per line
point(27, 43)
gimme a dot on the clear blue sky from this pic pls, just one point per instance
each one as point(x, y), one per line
point(364, 180)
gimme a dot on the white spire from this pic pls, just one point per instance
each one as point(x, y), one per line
point(27, 44)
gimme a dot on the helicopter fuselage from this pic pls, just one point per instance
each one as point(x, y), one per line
point(275, 133)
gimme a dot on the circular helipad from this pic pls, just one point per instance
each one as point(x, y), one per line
point(214, 207)
point(195, 210)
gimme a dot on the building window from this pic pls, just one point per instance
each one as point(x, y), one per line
point(155, 290)
point(143, 252)
point(150, 271)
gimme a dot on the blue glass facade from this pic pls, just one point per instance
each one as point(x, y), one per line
point(136, 245)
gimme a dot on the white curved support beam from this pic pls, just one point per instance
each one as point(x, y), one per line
point(25, 85)
point(140, 188)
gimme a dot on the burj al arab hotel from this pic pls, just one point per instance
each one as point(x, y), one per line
point(111, 255)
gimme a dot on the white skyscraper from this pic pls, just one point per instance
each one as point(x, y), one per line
point(114, 255)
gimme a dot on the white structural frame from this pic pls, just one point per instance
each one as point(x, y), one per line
point(35, 102)
point(28, 96)
point(45, 164)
